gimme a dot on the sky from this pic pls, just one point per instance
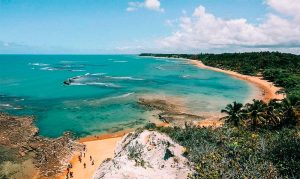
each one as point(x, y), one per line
point(157, 26)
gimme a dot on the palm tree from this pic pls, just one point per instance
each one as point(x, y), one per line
point(256, 112)
point(273, 113)
point(234, 113)
point(291, 110)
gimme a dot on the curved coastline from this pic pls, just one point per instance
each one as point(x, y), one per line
point(103, 145)
point(268, 89)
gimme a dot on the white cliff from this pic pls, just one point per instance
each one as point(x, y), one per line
point(146, 154)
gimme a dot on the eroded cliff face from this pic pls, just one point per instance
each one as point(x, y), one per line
point(146, 154)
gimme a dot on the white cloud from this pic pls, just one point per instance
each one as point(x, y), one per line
point(286, 7)
point(148, 4)
point(203, 30)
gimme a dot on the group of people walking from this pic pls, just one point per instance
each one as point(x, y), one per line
point(70, 174)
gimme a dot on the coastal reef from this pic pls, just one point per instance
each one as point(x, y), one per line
point(19, 140)
point(169, 112)
point(146, 154)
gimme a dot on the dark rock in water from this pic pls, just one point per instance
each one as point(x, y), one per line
point(67, 82)
point(169, 112)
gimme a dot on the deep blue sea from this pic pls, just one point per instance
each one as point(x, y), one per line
point(103, 90)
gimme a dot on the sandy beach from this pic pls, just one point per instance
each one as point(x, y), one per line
point(101, 147)
point(268, 89)
point(99, 150)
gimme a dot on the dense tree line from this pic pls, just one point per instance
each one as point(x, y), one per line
point(258, 114)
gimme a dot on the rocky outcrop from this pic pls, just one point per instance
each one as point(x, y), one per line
point(16, 131)
point(146, 154)
point(169, 111)
point(50, 156)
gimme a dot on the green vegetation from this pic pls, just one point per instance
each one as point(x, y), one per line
point(238, 152)
point(135, 153)
point(258, 140)
point(273, 115)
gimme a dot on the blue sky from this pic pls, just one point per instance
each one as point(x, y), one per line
point(106, 26)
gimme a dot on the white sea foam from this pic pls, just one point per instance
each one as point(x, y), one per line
point(124, 78)
point(77, 84)
point(63, 61)
point(77, 70)
point(120, 96)
point(160, 67)
point(48, 68)
point(38, 64)
point(97, 74)
point(5, 105)
point(120, 61)
point(186, 76)
point(104, 84)
point(126, 95)
point(109, 85)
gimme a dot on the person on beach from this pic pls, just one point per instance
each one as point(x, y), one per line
point(83, 154)
point(71, 174)
point(79, 158)
point(91, 158)
point(93, 162)
point(84, 165)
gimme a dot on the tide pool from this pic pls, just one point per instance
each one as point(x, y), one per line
point(102, 91)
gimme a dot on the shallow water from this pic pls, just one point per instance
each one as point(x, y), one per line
point(103, 90)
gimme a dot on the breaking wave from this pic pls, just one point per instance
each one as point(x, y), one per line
point(120, 61)
point(109, 85)
point(124, 78)
point(38, 64)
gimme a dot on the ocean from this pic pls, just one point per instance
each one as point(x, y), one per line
point(94, 94)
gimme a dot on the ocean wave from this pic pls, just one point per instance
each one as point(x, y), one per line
point(69, 61)
point(186, 76)
point(109, 85)
point(96, 74)
point(61, 69)
point(78, 70)
point(5, 105)
point(108, 77)
point(39, 64)
point(48, 69)
point(118, 97)
point(104, 84)
point(160, 67)
point(124, 78)
point(125, 95)
point(120, 61)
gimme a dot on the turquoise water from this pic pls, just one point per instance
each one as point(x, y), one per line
point(104, 89)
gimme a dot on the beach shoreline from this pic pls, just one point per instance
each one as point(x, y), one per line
point(268, 90)
point(102, 146)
